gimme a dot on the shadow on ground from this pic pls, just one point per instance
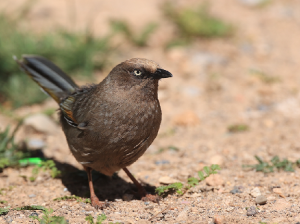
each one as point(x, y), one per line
point(106, 188)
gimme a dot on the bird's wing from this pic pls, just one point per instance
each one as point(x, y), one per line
point(67, 105)
point(66, 108)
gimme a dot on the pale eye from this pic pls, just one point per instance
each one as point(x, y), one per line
point(137, 72)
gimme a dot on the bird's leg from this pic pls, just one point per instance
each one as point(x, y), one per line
point(94, 199)
point(141, 190)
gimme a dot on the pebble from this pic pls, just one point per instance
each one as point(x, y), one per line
point(162, 162)
point(65, 189)
point(255, 192)
point(167, 180)
point(41, 123)
point(34, 214)
point(32, 195)
point(35, 144)
point(279, 192)
point(236, 190)
point(215, 180)
point(261, 200)
point(146, 203)
point(251, 211)
point(219, 219)
point(149, 207)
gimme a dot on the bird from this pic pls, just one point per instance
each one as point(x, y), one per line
point(109, 125)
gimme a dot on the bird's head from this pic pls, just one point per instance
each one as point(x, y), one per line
point(139, 70)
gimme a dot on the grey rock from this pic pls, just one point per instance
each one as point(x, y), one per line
point(255, 192)
point(251, 211)
point(41, 123)
point(261, 200)
point(32, 195)
point(162, 162)
point(149, 207)
point(236, 190)
point(35, 143)
point(34, 214)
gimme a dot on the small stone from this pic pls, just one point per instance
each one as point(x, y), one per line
point(195, 195)
point(35, 144)
point(162, 162)
point(41, 123)
point(118, 200)
point(251, 211)
point(279, 192)
point(34, 214)
point(32, 195)
point(187, 118)
point(215, 180)
point(127, 197)
point(261, 200)
point(167, 180)
point(65, 189)
point(236, 190)
point(149, 207)
point(219, 219)
point(146, 203)
point(255, 192)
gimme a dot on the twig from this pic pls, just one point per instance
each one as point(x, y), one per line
point(167, 208)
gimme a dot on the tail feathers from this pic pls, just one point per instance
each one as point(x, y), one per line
point(48, 76)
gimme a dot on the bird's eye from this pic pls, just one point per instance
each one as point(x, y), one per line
point(137, 72)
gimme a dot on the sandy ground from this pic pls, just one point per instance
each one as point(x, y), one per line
point(213, 87)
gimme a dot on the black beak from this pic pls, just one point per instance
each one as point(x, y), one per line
point(161, 73)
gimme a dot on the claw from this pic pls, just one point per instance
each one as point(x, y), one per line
point(97, 204)
point(150, 197)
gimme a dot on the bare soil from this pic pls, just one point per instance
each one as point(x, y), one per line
point(213, 87)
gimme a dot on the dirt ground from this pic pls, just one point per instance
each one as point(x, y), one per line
point(214, 86)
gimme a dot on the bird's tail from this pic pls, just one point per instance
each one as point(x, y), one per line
point(48, 76)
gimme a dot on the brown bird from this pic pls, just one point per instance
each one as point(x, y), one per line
point(108, 126)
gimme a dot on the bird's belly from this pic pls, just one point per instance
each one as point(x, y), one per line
point(117, 144)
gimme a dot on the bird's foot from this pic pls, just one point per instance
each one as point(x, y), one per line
point(97, 204)
point(150, 197)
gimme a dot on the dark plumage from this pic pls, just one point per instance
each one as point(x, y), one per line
point(110, 125)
